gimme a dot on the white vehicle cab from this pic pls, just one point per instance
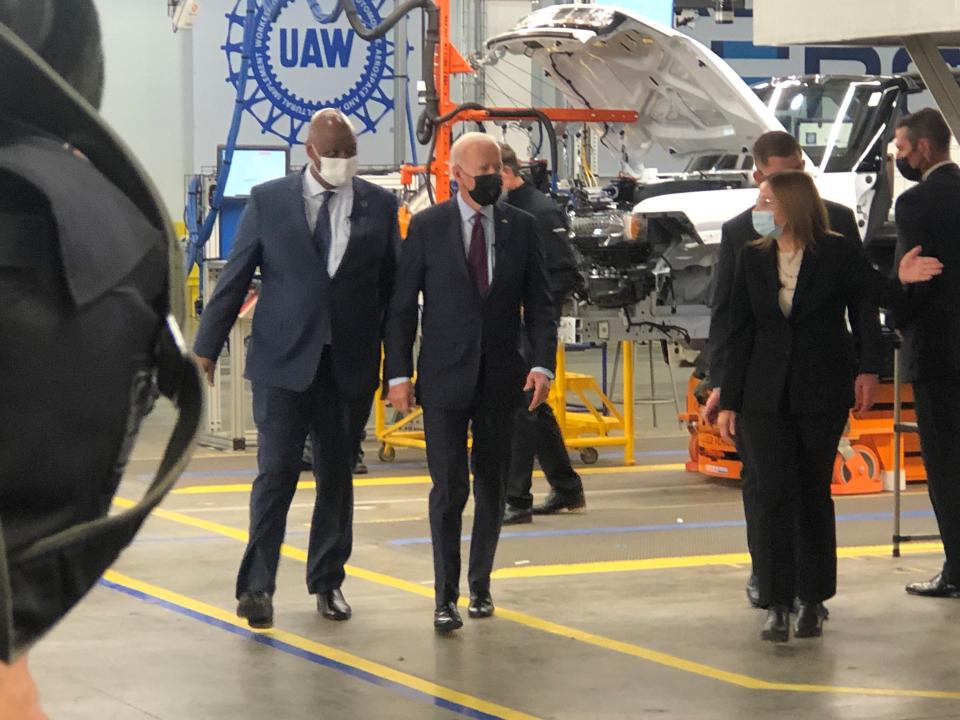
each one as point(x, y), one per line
point(695, 108)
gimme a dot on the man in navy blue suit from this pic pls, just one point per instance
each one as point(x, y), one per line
point(477, 263)
point(326, 244)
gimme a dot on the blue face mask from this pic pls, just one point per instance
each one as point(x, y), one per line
point(764, 224)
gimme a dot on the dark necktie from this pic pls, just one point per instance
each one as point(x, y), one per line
point(477, 256)
point(323, 232)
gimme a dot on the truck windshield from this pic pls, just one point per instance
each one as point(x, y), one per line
point(838, 121)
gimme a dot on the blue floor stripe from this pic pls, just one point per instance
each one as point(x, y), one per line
point(304, 654)
point(666, 527)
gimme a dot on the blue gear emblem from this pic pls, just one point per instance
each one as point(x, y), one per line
point(300, 66)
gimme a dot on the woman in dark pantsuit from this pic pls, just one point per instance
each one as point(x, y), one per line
point(789, 397)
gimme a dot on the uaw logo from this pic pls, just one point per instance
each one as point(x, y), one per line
point(300, 65)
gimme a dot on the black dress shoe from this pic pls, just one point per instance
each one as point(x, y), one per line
point(555, 503)
point(360, 468)
point(481, 605)
point(446, 618)
point(777, 626)
point(810, 619)
point(333, 606)
point(753, 590)
point(797, 602)
point(517, 516)
point(256, 608)
point(936, 586)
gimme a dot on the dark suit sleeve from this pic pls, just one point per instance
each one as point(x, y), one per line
point(402, 314)
point(221, 310)
point(538, 310)
point(741, 329)
point(562, 269)
point(910, 233)
point(388, 268)
point(720, 314)
point(862, 309)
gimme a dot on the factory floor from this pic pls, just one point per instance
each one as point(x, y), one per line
point(632, 609)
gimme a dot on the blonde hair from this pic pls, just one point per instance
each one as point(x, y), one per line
point(806, 215)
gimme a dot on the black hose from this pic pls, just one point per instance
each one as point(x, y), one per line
point(544, 121)
point(428, 120)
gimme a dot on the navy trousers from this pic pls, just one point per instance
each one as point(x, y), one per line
point(283, 419)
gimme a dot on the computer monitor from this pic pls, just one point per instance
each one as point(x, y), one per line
point(252, 165)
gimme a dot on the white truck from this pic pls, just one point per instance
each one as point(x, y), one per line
point(696, 109)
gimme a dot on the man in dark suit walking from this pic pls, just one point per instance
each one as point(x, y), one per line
point(773, 152)
point(326, 245)
point(537, 433)
point(928, 215)
point(477, 263)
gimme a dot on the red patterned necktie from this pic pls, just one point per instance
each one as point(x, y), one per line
point(477, 256)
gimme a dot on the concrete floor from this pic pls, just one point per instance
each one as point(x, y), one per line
point(633, 609)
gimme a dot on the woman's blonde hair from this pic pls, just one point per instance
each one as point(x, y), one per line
point(806, 215)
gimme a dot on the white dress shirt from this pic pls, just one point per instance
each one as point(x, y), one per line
point(788, 268)
point(934, 168)
point(341, 205)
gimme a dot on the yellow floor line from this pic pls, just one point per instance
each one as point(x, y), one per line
point(690, 561)
point(625, 648)
point(298, 641)
point(411, 480)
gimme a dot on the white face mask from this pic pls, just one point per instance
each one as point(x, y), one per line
point(337, 171)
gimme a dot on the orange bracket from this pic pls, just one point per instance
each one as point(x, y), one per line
point(447, 62)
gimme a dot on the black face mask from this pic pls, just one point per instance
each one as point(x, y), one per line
point(910, 173)
point(487, 188)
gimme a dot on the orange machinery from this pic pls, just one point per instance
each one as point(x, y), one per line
point(447, 62)
point(864, 455)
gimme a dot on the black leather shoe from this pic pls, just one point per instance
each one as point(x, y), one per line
point(777, 626)
point(797, 602)
point(810, 619)
point(446, 618)
point(934, 587)
point(517, 516)
point(555, 503)
point(256, 608)
point(360, 468)
point(481, 605)
point(753, 590)
point(333, 606)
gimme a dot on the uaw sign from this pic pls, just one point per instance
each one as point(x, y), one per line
point(300, 65)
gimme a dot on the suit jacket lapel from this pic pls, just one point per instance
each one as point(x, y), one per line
point(357, 214)
point(458, 243)
point(297, 211)
point(808, 270)
point(770, 274)
point(501, 224)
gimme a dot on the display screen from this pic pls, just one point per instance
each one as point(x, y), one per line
point(251, 166)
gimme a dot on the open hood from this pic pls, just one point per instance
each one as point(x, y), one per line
point(689, 100)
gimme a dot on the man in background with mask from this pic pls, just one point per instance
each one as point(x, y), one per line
point(537, 433)
point(478, 264)
point(326, 244)
point(778, 151)
point(928, 215)
point(90, 289)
